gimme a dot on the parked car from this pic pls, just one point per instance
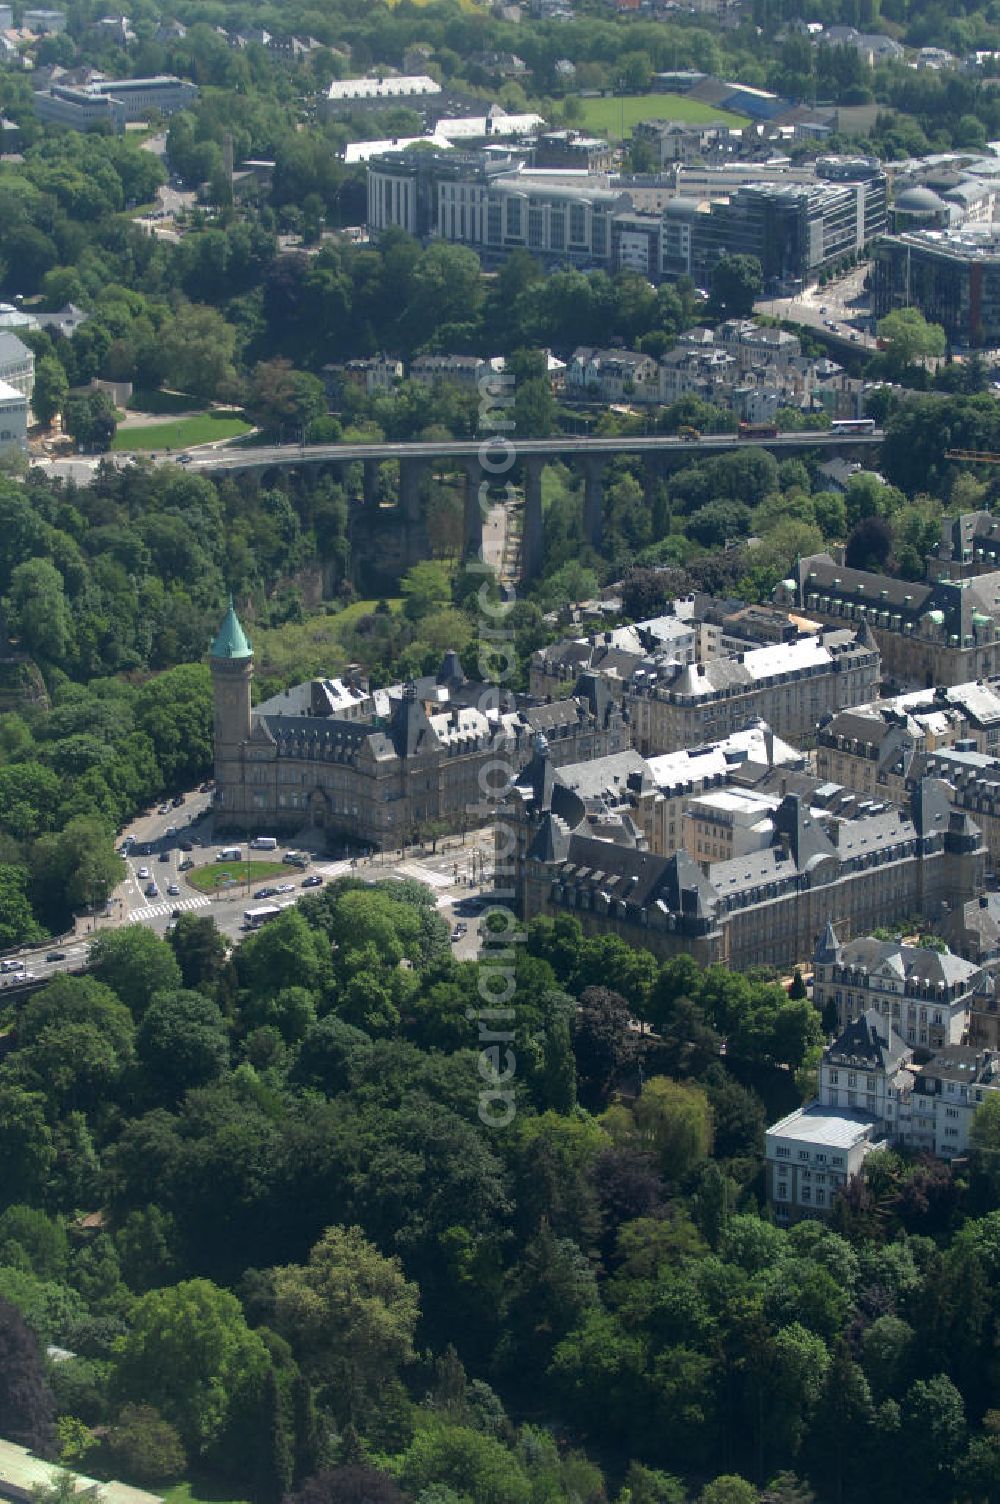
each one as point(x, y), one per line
point(152, 891)
point(164, 856)
point(285, 888)
point(266, 893)
point(56, 955)
point(171, 830)
point(177, 801)
point(142, 873)
point(175, 913)
point(185, 845)
point(173, 891)
point(314, 881)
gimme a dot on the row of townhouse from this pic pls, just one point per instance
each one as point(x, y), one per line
point(377, 374)
point(752, 371)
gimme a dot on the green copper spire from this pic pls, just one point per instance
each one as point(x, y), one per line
point(231, 640)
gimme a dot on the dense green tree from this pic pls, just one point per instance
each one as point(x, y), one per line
point(27, 1151)
point(476, 1466)
point(286, 953)
point(200, 951)
point(50, 390)
point(26, 1404)
point(40, 612)
point(76, 869)
point(135, 963)
point(18, 925)
point(30, 1237)
point(145, 1446)
point(190, 1354)
point(350, 1315)
point(181, 1043)
point(910, 337)
point(737, 281)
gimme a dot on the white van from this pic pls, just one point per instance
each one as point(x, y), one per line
point(229, 854)
point(264, 843)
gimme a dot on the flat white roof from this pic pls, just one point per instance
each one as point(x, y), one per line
point(671, 768)
point(824, 1126)
point(498, 124)
point(392, 87)
point(363, 151)
point(737, 801)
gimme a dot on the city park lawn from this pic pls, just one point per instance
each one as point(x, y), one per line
point(200, 428)
point(193, 1492)
point(610, 116)
point(214, 876)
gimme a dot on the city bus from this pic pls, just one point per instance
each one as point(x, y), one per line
point(853, 425)
point(254, 918)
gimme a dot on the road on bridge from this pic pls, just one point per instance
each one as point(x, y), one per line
point(289, 455)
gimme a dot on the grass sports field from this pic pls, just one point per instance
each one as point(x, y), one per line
point(216, 875)
point(605, 116)
point(203, 428)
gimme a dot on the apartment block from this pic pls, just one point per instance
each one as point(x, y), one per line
point(923, 994)
point(791, 686)
point(868, 866)
point(875, 1091)
point(952, 276)
point(114, 102)
point(945, 632)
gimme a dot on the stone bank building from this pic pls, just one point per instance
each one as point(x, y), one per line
point(386, 766)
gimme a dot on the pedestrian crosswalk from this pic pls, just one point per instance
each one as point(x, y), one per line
point(425, 875)
point(158, 910)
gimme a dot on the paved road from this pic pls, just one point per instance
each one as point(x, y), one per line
point(844, 303)
point(454, 873)
point(268, 456)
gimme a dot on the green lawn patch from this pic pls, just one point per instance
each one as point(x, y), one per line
point(216, 875)
point(352, 613)
point(203, 428)
point(197, 1492)
point(156, 400)
point(610, 117)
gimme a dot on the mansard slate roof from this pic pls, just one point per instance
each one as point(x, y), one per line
point(803, 851)
point(230, 640)
point(912, 963)
point(870, 1044)
point(642, 880)
point(959, 605)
